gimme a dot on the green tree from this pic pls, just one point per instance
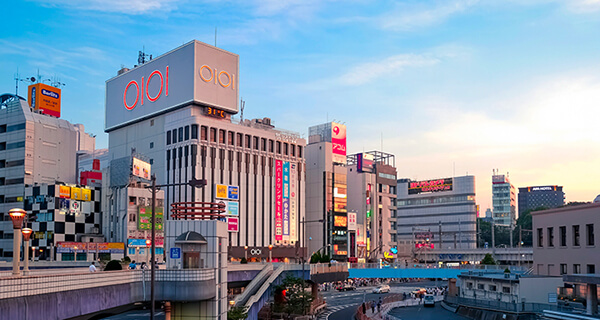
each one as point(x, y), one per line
point(488, 260)
point(237, 313)
point(297, 299)
point(316, 257)
point(243, 261)
point(113, 265)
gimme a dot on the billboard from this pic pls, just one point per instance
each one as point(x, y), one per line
point(352, 221)
point(233, 224)
point(75, 193)
point(338, 142)
point(417, 187)
point(145, 218)
point(293, 201)
point(223, 191)
point(286, 200)
point(44, 98)
point(364, 162)
point(278, 200)
point(64, 192)
point(141, 169)
point(340, 221)
point(192, 73)
point(231, 207)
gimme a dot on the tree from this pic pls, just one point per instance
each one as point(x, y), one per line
point(316, 257)
point(237, 313)
point(243, 261)
point(488, 260)
point(525, 223)
point(113, 265)
point(296, 300)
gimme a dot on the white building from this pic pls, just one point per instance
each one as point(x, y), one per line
point(504, 199)
point(34, 148)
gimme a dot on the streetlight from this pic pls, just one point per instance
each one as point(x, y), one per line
point(246, 253)
point(75, 253)
point(271, 253)
point(17, 215)
point(26, 235)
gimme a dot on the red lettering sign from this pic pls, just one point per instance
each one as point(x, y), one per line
point(141, 89)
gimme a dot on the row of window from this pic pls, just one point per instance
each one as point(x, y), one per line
point(9, 164)
point(233, 139)
point(6, 128)
point(12, 145)
point(434, 200)
point(491, 287)
point(591, 268)
point(575, 234)
point(6, 182)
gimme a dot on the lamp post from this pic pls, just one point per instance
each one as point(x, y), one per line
point(26, 235)
point(246, 253)
point(17, 215)
point(154, 188)
point(271, 253)
point(32, 254)
point(75, 253)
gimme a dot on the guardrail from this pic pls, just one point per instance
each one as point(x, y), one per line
point(524, 307)
point(327, 268)
point(465, 267)
point(13, 287)
point(254, 285)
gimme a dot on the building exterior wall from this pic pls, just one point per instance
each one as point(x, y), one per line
point(455, 209)
point(504, 201)
point(510, 288)
point(34, 148)
point(542, 196)
point(550, 256)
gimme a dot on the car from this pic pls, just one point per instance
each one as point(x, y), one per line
point(346, 287)
point(429, 300)
point(382, 289)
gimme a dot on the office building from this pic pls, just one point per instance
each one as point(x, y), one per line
point(372, 206)
point(326, 190)
point(549, 197)
point(504, 200)
point(429, 207)
point(35, 147)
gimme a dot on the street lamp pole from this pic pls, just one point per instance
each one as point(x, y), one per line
point(17, 215)
point(26, 235)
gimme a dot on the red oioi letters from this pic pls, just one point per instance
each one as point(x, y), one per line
point(141, 89)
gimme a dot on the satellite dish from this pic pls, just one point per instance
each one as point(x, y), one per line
point(32, 79)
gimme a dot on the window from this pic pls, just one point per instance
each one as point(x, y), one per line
point(576, 236)
point(152, 160)
point(204, 133)
point(576, 268)
point(550, 237)
point(230, 138)
point(213, 134)
point(2, 130)
point(14, 163)
point(221, 136)
point(491, 287)
point(591, 268)
point(15, 145)
point(540, 232)
point(151, 122)
point(299, 151)
point(293, 150)
point(590, 234)
point(187, 132)
point(505, 289)
point(286, 148)
point(279, 147)
point(151, 145)
point(174, 133)
point(263, 144)
point(194, 131)
point(563, 236)
point(180, 134)
point(480, 286)
point(239, 139)
point(255, 143)
point(469, 285)
point(247, 144)
point(168, 137)
point(271, 142)
point(563, 268)
point(15, 127)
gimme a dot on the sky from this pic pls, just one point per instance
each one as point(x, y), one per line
point(449, 87)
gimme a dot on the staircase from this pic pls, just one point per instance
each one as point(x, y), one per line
point(254, 285)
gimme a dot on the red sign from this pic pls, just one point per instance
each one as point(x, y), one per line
point(338, 142)
point(278, 200)
point(233, 224)
point(140, 90)
point(430, 186)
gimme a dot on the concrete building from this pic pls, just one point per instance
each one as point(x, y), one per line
point(430, 207)
point(326, 190)
point(34, 148)
point(504, 200)
point(372, 206)
point(541, 196)
point(182, 124)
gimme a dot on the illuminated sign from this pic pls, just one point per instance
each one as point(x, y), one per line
point(141, 169)
point(340, 221)
point(64, 192)
point(76, 193)
point(45, 98)
point(215, 113)
point(145, 218)
point(338, 142)
point(352, 221)
point(227, 192)
point(388, 255)
point(364, 162)
point(437, 185)
point(544, 188)
point(278, 200)
point(233, 224)
point(193, 73)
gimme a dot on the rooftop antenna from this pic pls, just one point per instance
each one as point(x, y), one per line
point(17, 79)
point(142, 55)
point(242, 105)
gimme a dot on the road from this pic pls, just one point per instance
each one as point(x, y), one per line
point(342, 305)
point(422, 313)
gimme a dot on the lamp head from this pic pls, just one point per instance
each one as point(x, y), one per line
point(26, 234)
point(17, 215)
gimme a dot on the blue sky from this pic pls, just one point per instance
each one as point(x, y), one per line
point(452, 86)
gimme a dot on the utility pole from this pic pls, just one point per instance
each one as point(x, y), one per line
point(440, 235)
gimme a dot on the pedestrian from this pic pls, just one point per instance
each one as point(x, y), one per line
point(92, 267)
point(364, 308)
point(379, 306)
point(143, 266)
point(132, 265)
point(373, 306)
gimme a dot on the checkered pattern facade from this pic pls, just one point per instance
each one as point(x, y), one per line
point(56, 221)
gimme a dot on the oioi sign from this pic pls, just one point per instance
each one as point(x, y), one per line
point(195, 73)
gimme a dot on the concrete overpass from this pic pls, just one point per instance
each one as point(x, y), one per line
point(400, 271)
point(508, 256)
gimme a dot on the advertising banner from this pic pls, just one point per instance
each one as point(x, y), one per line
point(426, 186)
point(340, 221)
point(75, 207)
point(64, 192)
point(278, 200)
point(286, 200)
point(293, 201)
point(75, 193)
point(232, 224)
point(352, 221)
point(145, 218)
point(64, 206)
point(364, 162)
point(86, 194)
point(136, 242)
point(231, 207)
point(338, 142)
point(141, 169)
point(45, 98)
point(223, 191)
point(81, 247)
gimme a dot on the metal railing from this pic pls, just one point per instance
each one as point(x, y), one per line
point(13, 287)
point(523, 307)
point(465, 267)
point(327, 268)
point(254, 285)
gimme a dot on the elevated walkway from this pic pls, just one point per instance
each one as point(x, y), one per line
point(254, 285)
point(421, 271)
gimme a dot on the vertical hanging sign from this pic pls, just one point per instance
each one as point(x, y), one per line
point(278, 200)
point(286, 200)
point(293, 208)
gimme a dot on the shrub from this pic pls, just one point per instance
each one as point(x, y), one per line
point(113, 265)
point(244, 261)
point(127, 259)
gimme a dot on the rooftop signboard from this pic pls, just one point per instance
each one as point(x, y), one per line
point(193, 73)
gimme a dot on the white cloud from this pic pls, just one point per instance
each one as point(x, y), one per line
point(122, 6)
point(369, 71)
point(584, 6)
point(405, 17)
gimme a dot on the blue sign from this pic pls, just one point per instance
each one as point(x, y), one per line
point(233, 208)
point(175, 253)
point(136, 243)
point(233, 192)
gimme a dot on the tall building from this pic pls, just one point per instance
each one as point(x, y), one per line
point(542, 196)
point(504, 200)
point(35, 147)
point(326, 190)
point(372, 206)
point(176, 110)
point(430, 207)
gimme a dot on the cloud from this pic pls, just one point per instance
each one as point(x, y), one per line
point(121, 6)
point(370, 71)
point(405, 17)
point(584, 6)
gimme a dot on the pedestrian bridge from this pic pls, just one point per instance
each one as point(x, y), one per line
point(399, 271)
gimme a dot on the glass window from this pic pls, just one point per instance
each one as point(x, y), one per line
point(590, 234)
point(248, 142)
point(213, 134)
point(279, 147)
point(563, 268)
point(563, 236)
point(540, 232)
point(299, 151)
point(550, 237)
point(591, 268)
point(180, 134)
point(169, 137)
point(239, 139)
point(576, 236)
point(221, 136)
point(230, 138)
point(506, 289)
point(187, 133)
point(286, 147)
point(576, 268)
point(194, 131)
point(271, 142)
point(255, 143)
point(263, 144)
point(203, 133)
point(174, 131)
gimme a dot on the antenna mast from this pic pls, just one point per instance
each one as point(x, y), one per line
point(242, 105)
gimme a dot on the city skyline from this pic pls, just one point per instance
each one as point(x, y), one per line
point(448, 87)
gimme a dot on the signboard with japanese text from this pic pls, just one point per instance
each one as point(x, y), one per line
point(64, 192)
point(338, 142)
point(141, 169)
point(293, 201)
point(278, 200)
point(426, 186)
point(145, 218)
point(233, 224)
point(352, 221)
point(45, 98)
point(227, 192)
point(286, 200)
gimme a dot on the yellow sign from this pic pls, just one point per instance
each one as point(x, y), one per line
point(388, 255)
point(221, 191)
point(86, 194)
point(45, 98)
point(64, 192)
point(76, 193)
